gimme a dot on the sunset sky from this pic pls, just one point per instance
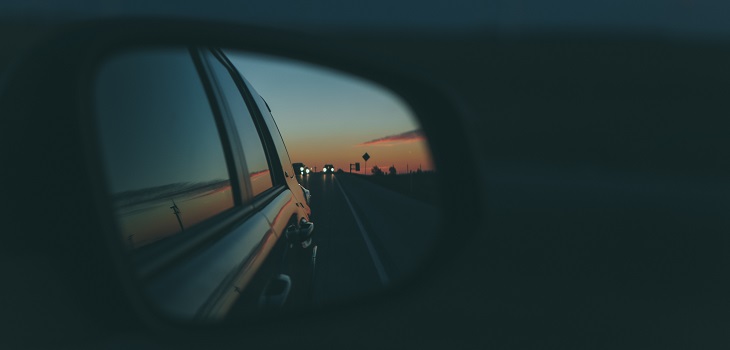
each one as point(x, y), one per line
point(329, 117)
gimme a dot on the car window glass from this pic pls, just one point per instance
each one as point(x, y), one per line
point(256, 161)
point(165, 165)
point(271, 125)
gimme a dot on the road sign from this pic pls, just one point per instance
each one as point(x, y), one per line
point(366, 156)
point(356, 165)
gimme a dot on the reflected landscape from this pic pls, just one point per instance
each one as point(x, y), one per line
point(375, 225)
point(260, 180)
point(327, 117)
point(372, 231)
point(148, 215)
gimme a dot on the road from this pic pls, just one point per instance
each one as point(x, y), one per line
point(367, 236)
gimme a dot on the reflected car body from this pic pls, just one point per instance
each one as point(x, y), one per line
point(307, 196)
point(222, 242)
point(254, 262)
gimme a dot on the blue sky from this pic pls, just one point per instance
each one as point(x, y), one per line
point(325, 116)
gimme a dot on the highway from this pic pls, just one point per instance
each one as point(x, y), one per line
point(367, 236)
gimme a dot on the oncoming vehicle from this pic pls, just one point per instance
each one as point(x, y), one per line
point(328, 169)
point(300, 169)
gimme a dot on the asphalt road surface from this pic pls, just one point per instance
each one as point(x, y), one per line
point(367, 237)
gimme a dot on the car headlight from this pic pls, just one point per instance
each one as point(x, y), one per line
point(301, 168)
point(325, 170)
point(307, 171)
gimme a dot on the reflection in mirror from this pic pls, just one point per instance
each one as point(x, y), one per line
point(374, 224)
point(164, 158)
point(245, 184)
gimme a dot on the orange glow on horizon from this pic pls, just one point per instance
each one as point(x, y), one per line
point(405, 155)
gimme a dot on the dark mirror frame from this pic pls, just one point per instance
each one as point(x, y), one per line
point(61, 72)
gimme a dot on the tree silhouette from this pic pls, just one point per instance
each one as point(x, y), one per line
point(392, 171)
point(376, 170)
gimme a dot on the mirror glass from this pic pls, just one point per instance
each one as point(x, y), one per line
point(244, 184)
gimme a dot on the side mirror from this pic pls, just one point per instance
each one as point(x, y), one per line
point(182, 156)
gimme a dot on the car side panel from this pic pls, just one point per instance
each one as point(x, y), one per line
point(281, 210)
point(205, 285)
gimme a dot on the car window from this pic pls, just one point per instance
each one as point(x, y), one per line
point(165, 165)
point(271, 124)
point(259, 172)
point(286, 164)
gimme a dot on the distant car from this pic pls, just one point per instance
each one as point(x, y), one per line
point(328, 169)
point(300, 169)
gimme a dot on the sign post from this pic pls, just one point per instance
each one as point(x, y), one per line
point(366, 156)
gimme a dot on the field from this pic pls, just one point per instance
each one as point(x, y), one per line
point(417, 185)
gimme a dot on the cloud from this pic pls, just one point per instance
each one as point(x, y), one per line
point(406, 137)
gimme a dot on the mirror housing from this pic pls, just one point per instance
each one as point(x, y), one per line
point(60, 72)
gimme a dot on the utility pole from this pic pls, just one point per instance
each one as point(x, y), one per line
point(177, 212)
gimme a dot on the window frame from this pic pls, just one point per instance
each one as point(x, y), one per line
point(266, 135)
point(209, 55)
point(228, 126)
point(279, 183)
point(275, 131)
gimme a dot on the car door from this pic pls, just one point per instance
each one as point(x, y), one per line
point(191, 205)
point(274, 191)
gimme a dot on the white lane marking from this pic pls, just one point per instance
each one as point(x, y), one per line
point(371, 249)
